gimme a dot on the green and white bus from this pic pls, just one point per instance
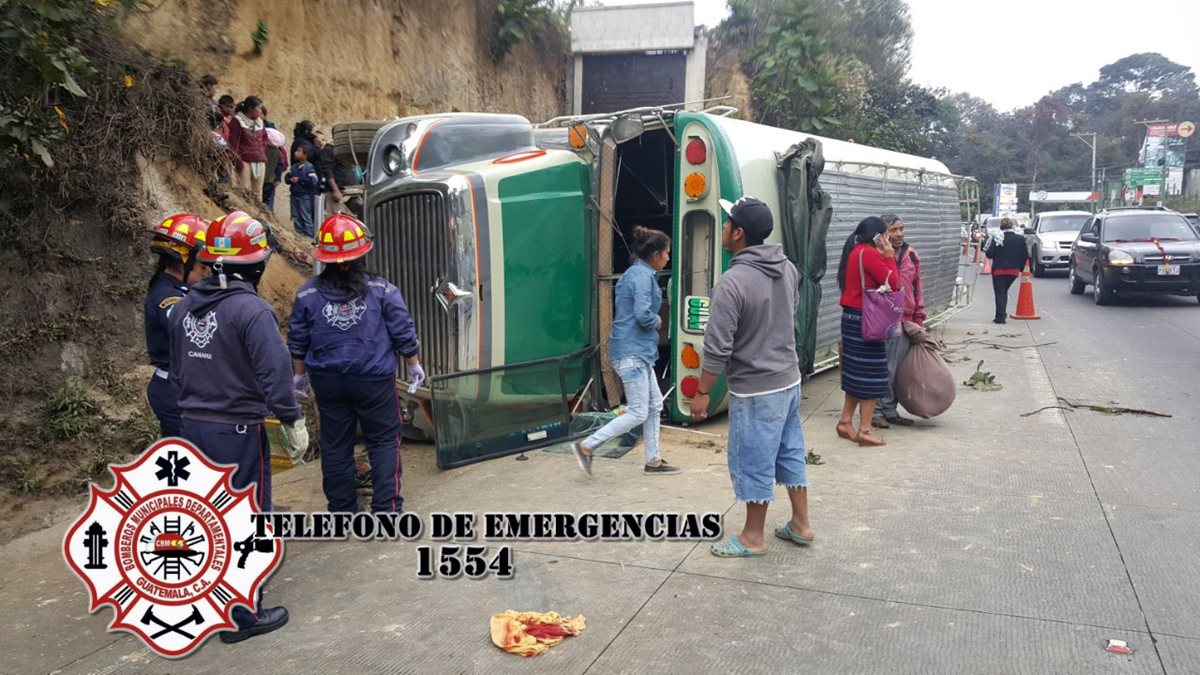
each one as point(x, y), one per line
point(507, 238)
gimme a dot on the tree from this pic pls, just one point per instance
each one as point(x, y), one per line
point(834, 67)
point(1150, 73)
point(1033, 145)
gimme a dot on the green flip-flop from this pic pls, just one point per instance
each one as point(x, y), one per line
point(785, 531)
point(733, 548)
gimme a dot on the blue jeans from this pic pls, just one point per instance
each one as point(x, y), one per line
point(643, 401)
point(302, 215)
point(268, 195)
point(766, 445)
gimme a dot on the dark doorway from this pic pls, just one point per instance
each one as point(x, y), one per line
point(614, 82)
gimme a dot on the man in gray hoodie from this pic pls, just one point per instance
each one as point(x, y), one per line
point(750, 339)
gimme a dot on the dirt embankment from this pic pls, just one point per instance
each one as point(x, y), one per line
point(74, 271)
point(724, 77)
point(336, 60)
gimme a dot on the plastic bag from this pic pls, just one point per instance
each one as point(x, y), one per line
point(924, 384)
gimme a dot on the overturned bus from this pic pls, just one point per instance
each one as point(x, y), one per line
point(507, 239)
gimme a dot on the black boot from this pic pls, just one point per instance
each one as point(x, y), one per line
point(270, 619)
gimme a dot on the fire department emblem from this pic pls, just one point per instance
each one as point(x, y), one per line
point(172, 547)
point(200, 331)
point(343, 315)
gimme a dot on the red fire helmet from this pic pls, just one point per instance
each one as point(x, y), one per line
point(236, 238)
point(179, 236)
point(341, 239)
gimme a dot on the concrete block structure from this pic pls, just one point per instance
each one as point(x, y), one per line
point(630, 56)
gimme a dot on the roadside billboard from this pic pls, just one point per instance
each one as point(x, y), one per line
point(1165, 148)
point(1005, 199)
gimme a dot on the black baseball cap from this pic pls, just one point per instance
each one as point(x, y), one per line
point(751, 215)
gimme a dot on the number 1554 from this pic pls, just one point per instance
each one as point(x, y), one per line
point(474, 562)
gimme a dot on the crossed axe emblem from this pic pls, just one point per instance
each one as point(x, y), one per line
point(195, 617)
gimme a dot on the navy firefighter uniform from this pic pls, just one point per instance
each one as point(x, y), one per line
point(233, 369)
point(345, 333)
point(176, 241)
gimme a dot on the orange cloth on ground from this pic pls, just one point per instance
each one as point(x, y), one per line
point(531, 633)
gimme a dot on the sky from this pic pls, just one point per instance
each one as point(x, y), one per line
point(1013, 52)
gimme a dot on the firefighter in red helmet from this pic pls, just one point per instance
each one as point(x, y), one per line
point(175, 241)
point(347, 333)
point(233, 369)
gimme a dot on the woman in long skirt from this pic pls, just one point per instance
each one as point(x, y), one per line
point(867, 260)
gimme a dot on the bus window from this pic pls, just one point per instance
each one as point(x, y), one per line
point(695, 257)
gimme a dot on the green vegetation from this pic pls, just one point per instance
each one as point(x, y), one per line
point(1033, 146)
point(518, 21)
point(983, 380)
point(261, 36)
point(27, 482)
point(44, 68)
point(70, 410)
point(838, 68)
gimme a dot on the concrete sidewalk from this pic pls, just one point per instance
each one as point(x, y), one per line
point(975, 542)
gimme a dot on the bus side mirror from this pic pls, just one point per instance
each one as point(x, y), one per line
point(627, 128)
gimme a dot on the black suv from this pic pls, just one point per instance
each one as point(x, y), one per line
point(1135, 250)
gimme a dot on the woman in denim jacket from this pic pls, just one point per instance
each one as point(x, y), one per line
point(633, 348)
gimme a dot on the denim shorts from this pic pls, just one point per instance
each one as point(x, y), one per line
point(766, 445)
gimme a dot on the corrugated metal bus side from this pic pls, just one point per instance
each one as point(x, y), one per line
point(930, 213)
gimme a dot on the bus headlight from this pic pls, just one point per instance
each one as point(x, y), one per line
point(393, 160)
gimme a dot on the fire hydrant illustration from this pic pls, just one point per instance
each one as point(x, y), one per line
point(95, 544)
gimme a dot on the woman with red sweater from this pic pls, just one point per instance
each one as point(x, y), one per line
point(868, 256)
point(248, 140)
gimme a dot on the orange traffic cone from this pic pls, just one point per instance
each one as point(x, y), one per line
point(1025, 308)
point(987, 266)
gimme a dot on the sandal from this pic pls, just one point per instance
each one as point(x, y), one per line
point(584, 460)
point(734, 548)
point(786, 532)
point(868, 439)
point(846, 431)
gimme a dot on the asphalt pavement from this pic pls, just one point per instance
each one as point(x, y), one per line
point(1010, 535)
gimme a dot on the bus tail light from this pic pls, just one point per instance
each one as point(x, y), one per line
point(689, 357)
point(695, 185)
point(696, 151)
point(689, 386)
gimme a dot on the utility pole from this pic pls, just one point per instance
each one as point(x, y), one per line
point(1091, 145)
point(1162, 188)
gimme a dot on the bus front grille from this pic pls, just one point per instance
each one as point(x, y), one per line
point(414, 249)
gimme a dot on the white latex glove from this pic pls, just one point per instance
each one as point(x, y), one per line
point(297, 438)
point(416, 375)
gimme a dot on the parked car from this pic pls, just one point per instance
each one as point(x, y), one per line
point(1194, 219)
point(1050, 238)
point(992, 223)
point(1138, 250)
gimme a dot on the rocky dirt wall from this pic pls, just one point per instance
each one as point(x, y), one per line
point(336, 60)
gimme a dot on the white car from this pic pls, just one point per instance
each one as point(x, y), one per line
point(1050, 237)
